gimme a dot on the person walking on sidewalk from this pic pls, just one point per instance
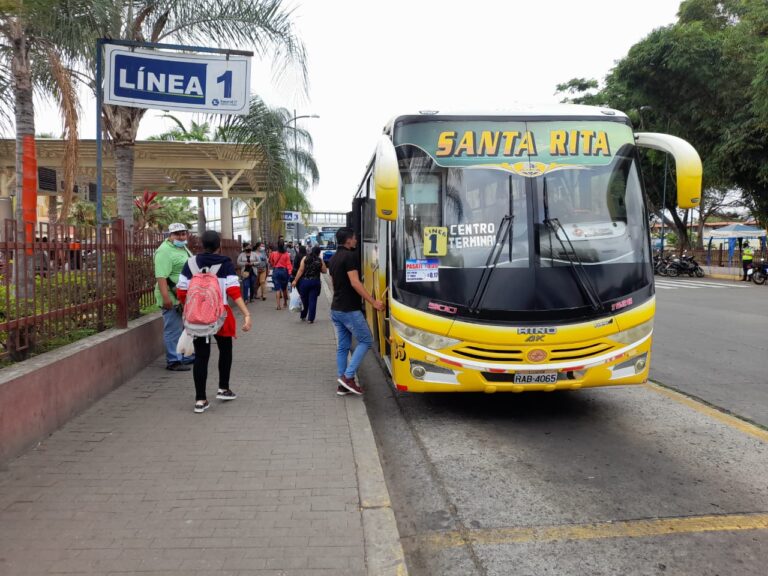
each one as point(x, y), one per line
point(170, 258)
point(261, 270)
point(246, 263)
point(346, 313)
point(230, 287)
point(308, 282)
point(280, 261)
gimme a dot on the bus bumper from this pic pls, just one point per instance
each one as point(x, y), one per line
point(415, 369)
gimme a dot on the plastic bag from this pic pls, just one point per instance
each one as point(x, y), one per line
point(294, 304)
point(185, 347)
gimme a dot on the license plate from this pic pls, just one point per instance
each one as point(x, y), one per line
point(535, 377)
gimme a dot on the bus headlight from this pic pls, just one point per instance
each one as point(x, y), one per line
point(422, 338)
point(634, 334)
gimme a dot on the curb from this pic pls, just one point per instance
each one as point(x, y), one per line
point(383, 551)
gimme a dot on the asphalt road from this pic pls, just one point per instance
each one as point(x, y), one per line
point(611, 481)
point(711, 341)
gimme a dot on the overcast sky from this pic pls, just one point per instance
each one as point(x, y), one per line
point(371, 60)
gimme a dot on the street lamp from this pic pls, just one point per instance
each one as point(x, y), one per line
point(295, 141)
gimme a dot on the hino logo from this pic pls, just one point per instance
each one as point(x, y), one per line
point(537, 330)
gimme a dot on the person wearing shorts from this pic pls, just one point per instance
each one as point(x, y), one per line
point(280, 262)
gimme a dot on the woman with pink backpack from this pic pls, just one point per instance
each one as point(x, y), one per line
point(206, 314)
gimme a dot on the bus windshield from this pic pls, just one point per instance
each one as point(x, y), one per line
point(532, 237)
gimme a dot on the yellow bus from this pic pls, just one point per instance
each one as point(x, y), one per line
point(512, 250)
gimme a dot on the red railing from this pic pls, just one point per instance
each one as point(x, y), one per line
point(71, 282)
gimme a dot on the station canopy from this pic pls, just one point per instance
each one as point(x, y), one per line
point(171, 168)
point(737, 231)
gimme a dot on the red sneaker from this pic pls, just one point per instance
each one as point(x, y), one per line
point(351, 385)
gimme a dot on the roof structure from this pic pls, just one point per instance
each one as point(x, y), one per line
point(738, 231)
point(170, 168)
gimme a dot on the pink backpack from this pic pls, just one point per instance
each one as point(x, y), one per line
point(204, 311)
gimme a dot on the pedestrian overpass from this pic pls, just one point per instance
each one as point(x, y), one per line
point(318, 219)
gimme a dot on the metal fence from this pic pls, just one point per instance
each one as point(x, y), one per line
point(67, 282)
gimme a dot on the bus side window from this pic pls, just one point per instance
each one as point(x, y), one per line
point(369, 220)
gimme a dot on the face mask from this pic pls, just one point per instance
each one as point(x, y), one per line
point(179, 243)
point(262, 250)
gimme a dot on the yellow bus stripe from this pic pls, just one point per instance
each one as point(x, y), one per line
point(727, 419)
point(594, 531)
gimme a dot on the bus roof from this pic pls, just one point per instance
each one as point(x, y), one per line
point(521, 111)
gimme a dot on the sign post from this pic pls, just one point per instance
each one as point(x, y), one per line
point(289, 216)
point(167, 77)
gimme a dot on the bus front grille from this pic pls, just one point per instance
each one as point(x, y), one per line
point(577, 353)
point(490, 354)
point(572, 352)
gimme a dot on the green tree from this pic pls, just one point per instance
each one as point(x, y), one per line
point(264, 25)
point(38, 41)
point(705, 79)
point(288, 163)
point(283, 149)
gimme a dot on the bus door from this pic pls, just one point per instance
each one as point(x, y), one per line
point(368, 245)
point(382, 284)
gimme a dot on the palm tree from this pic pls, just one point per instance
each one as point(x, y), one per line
point(284, 150)
point(268, 131)
point(263, 24)
point(37, 41)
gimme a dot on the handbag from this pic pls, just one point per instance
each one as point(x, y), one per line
point(294, 304)
point(185, 346)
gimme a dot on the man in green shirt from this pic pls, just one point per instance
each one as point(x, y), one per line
point(170, 258)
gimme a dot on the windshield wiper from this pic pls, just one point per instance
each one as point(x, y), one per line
point(579, 273)
point(490, 265)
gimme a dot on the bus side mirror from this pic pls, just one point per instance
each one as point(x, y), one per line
point(386, 180)
point(687, 163)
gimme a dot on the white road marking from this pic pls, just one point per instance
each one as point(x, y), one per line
point(669, 284)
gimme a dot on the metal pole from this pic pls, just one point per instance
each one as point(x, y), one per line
point(664, 200)
point(99, 158)
point(295, 149)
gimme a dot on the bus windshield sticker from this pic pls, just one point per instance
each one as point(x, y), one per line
point(435, 241)
point(472, 235)
point(422, 270)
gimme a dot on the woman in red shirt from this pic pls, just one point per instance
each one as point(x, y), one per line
point(280, 262)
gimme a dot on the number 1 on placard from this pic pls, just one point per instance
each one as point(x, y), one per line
point(433, 242)
point(226, 78)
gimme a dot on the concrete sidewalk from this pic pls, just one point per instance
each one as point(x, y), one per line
point(285, 480)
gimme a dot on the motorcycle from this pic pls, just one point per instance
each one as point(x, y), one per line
point(660, 264)
point(759, 272)
point(684, 265)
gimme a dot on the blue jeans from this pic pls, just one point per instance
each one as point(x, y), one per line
point(249, 286)
point(173, 326)
point(350, 324)
point(309, 290)
point(280, 279)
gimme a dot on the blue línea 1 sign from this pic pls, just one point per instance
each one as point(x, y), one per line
point(173, 81)
point(289, 216)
